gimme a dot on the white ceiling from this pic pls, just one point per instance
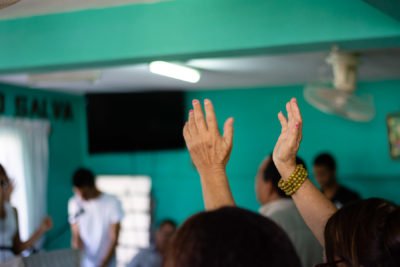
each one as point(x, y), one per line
point(218, 73)
point(28, 8)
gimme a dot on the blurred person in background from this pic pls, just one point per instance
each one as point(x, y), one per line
point(154, 255)
point(280, 208)
point(10, 241)
point(325, 173)
point(95, 219)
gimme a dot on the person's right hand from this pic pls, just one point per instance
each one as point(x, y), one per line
point(210, 151)
point(46, 224)
point(288, 143)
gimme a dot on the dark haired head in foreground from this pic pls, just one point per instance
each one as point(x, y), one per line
point(230, 237)
point(365, 233)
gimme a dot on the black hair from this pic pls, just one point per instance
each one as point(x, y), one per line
point(231, 237)
point(83, 178)
point(272, 174)
point(326, 160)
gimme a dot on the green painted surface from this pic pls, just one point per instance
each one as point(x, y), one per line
point(361, 148)
point(390, 7)
point(189, 28)
point(65, 151)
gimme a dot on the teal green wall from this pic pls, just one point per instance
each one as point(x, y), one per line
point(65, 150)
point(186, 29)
point(361, 148)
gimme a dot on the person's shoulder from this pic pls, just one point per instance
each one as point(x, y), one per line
point(73, 200)
point(286, 215)
point(109, 198)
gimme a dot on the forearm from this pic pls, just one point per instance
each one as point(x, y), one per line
point(76, 243)
point(314, 207)
point(21, 246)
point(216, 190)
point(109, 254)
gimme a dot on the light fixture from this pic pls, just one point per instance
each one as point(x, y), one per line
point(175, 71)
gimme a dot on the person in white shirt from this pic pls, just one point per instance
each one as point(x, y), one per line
point(95, 221)
point(282, 210)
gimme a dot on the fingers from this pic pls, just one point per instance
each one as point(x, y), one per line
point(296, 110)
point(210, 116)
point(228, 131)
point(295, 132)
point(289, 112)
point(283, 121)
point(192, 127)
point(298, 119)
point(199, 116)
point(186, 133)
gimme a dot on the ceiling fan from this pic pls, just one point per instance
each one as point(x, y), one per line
point(7, 3)
point(339, 97)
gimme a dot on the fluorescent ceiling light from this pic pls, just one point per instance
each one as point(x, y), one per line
point(175, 71)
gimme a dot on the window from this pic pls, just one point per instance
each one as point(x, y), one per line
point(134, 194)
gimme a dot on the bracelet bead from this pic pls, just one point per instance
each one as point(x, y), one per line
point(295, 180)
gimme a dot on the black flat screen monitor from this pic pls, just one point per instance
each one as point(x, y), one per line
point(126, 122)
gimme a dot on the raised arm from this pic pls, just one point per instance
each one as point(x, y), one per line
point(313, 206)
point(20, 246)
point(210, 152)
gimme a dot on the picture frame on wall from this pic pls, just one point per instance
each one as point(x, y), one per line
point(393, 123)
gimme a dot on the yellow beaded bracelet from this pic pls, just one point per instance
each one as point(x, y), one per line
point(295, 180)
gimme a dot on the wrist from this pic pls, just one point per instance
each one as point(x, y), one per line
point(286, 171)
point(43, 229)
point(212, 171)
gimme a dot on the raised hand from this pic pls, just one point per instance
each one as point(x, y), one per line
point(210, 151)
point(46, 225)
point(288, 143)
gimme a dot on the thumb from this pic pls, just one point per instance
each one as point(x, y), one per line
point(228, 131)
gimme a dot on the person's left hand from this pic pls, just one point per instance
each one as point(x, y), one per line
point(210, 151)
point(46, 225)
point(288, 143)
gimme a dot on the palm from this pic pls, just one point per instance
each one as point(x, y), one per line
point(288, 143)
